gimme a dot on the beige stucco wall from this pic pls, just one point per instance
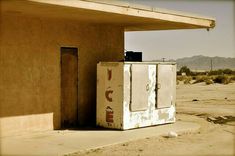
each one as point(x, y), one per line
point(30, 68)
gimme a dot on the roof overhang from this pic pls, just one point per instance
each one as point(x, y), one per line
point(131, 17)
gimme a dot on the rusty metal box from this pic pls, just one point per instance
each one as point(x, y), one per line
point(135, 94)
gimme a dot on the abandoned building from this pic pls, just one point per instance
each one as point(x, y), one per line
point(49, 52)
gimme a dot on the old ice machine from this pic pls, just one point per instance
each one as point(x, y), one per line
point(135, 94)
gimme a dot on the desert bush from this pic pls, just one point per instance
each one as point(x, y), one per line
point(194, 77)
point(178, 73)
point(201, 79)
point(227, 71)
point(188, 80)
point(209, 81)
point(185, 69)
point(223, 79)
point(198, 73)
point(181, 78)
point(185, 79)
point(221, 72)
point(232, 78)
point(216, 72)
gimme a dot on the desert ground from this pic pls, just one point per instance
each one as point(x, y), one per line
point(211, 106)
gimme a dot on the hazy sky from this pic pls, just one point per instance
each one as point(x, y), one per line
point(172, 44)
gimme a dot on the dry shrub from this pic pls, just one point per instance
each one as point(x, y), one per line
point(209, 81)
point(222, 79)
point(181, 78)
point(185, 79)
point(232, 78)
point(188, 80)
point(201, 79)
point(194, 77)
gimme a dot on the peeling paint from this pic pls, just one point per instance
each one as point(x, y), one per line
point(151, 116)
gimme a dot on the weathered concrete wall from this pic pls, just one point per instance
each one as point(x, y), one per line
point(30, 68)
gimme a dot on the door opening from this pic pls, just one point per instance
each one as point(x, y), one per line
point(69, 87)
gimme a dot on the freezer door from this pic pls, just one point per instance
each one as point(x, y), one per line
point(139, 87)
point(165, 85)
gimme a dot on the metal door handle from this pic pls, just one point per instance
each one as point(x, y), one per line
point(158, 85)
point(147, 87)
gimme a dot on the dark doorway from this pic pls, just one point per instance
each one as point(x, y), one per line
point(69, 87)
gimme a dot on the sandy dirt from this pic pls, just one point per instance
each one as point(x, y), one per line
point(195, 103)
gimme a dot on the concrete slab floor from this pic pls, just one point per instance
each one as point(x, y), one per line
point(69, 141)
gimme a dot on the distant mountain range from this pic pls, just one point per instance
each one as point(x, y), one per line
point(201, 62)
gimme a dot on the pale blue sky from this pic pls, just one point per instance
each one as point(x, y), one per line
point(172, 44)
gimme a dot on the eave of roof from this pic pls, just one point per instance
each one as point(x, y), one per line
point(131, 17)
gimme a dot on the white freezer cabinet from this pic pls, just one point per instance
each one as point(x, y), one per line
point(135, 94)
